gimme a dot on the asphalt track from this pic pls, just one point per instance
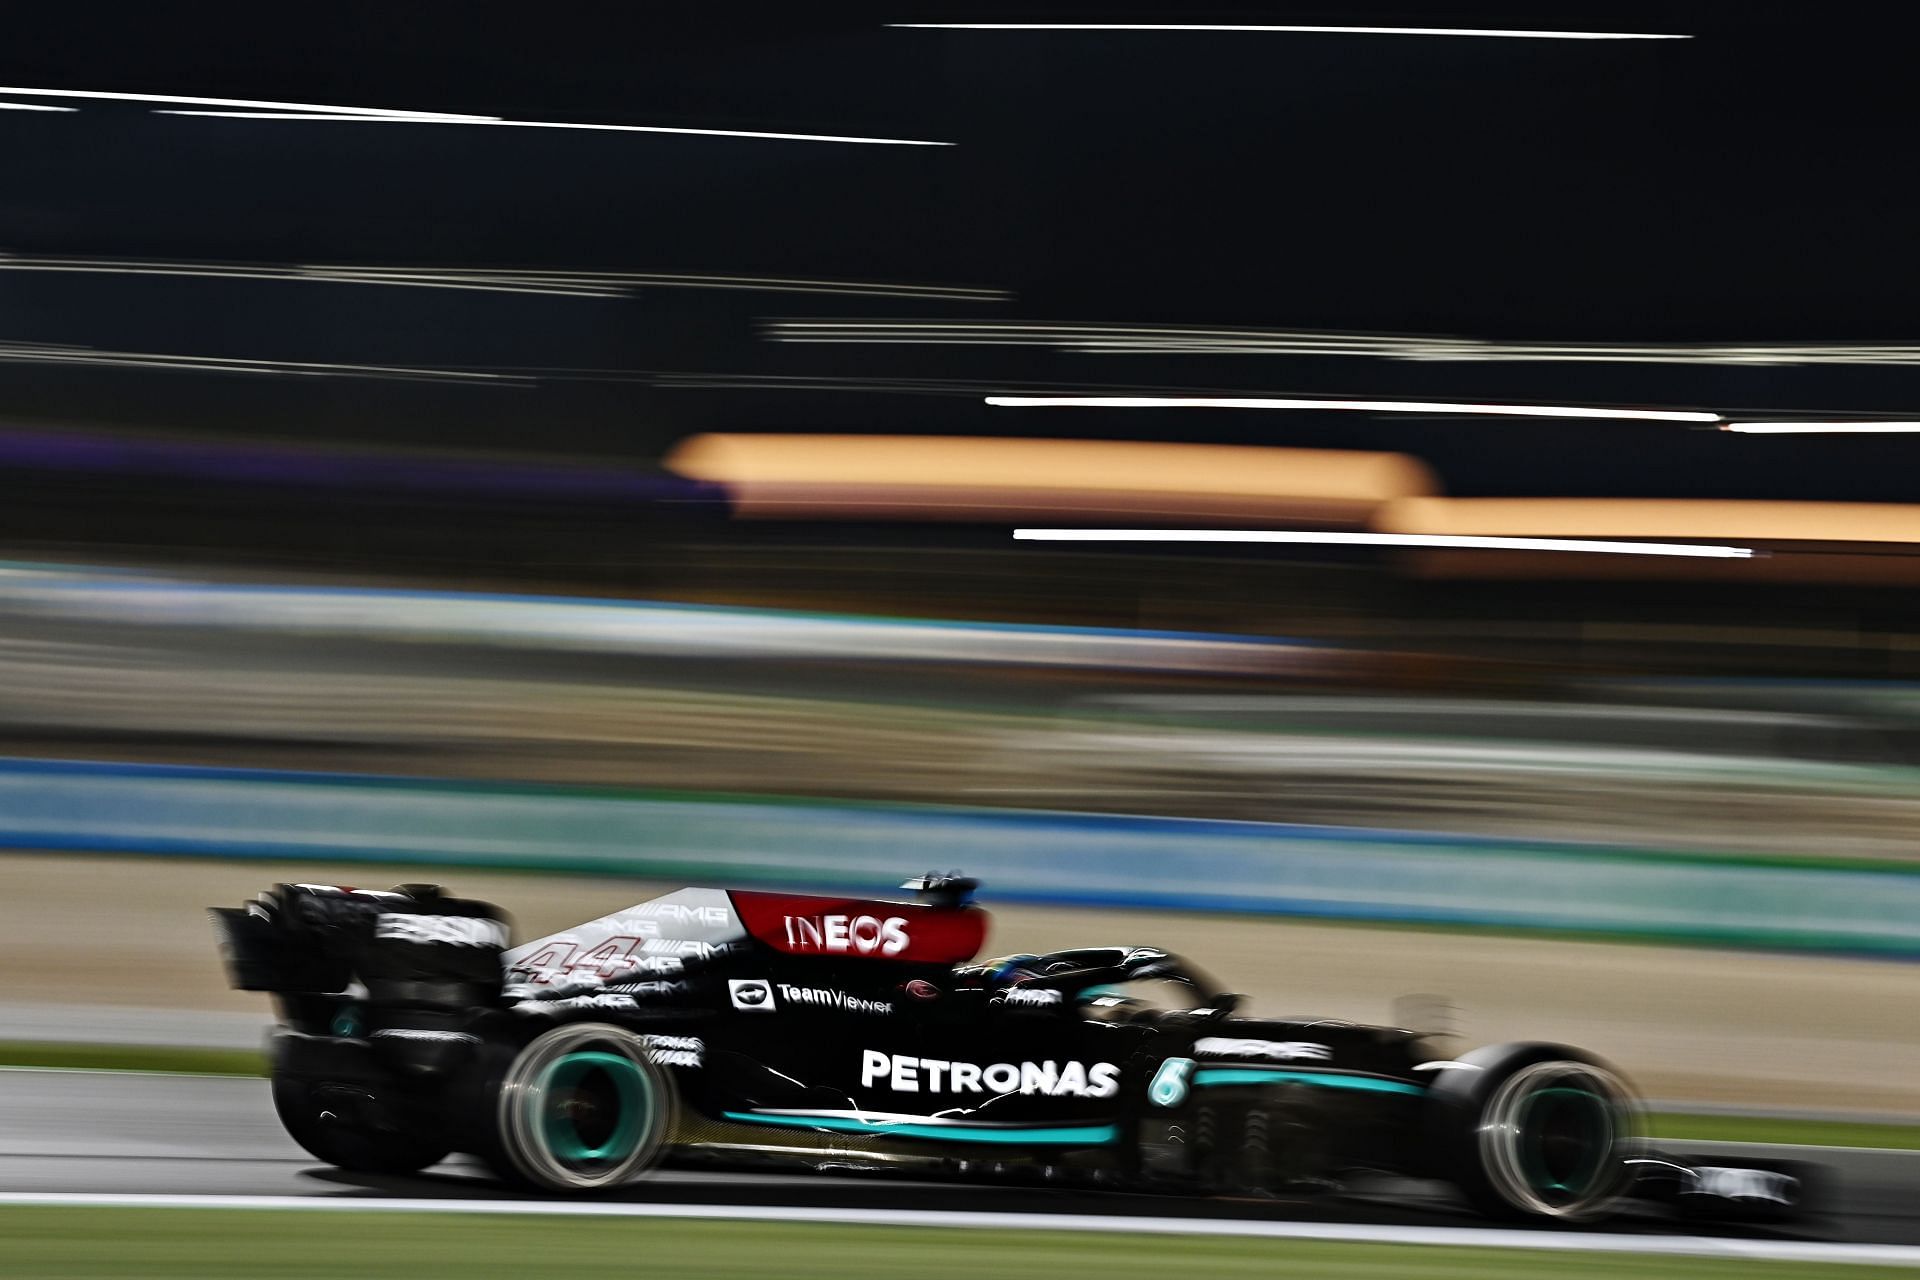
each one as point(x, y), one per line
point(104, 1133)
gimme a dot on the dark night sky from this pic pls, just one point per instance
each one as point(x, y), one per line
point(1751, 184)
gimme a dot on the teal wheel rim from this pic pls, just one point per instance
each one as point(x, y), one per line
point(1566, 1136)
point(593, 1108)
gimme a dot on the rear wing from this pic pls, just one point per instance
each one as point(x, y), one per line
point(316, 939)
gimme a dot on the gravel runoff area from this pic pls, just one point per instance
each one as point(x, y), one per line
point(127, 935)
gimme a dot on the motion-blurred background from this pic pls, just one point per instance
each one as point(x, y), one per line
point(591, 443)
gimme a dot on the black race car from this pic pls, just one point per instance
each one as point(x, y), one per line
point(851, 1030)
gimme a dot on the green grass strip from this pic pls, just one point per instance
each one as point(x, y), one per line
point(208, 1244)
point(133, 1057)
point(1812, 1133)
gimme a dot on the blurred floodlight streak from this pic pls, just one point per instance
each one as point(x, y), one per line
point(40, 353)
point(1126, 339)
point(1284, 537)
point(1822, 428)
point(1364, 406)
point(1497, 33)
point(323, 117)
point(32, 106)
point(556, 281)
point(482, 283)
point(1824, 543)
point(967, 478)
point(266, 109)
point(1706, 519)
point(113, 95)
point(315, 115)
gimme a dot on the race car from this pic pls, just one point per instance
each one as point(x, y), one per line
point(835, 1029)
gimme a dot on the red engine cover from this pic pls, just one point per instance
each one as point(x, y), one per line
point(858, 928)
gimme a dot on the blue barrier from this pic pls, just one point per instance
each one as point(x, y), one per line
point(1083, 859)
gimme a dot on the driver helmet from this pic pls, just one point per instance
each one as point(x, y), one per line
point(1011, 969)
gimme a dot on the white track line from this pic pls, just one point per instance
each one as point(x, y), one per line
point(1107, 1224)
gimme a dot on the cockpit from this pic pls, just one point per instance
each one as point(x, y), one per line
point(1117, 984)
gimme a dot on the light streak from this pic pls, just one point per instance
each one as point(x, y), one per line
point(1504, 33)
point(269, 109)
point(1107, 339)
point(108, 95)
point(1821, 428)
point(1366, 406)
point(500, 123)
point(40, 353)
point(1285, 537)
point(564, 283)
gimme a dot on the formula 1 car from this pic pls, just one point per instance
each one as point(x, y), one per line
point(842, 1030)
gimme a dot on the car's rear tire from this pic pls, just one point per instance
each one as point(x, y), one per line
point(340, 1123)
point(1535, 1131)
point(581, 1108)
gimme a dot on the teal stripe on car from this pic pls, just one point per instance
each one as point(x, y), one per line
point(1090, 1135)
point(1280, 1075)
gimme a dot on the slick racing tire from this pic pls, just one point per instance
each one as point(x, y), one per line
point(580, 1109)
point(1535, 1131)
point(341, 1124)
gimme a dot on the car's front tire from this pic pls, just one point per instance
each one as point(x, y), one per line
point(580, 1108)
point(1535, 1131)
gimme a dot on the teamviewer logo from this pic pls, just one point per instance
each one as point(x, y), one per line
point(751, 995)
